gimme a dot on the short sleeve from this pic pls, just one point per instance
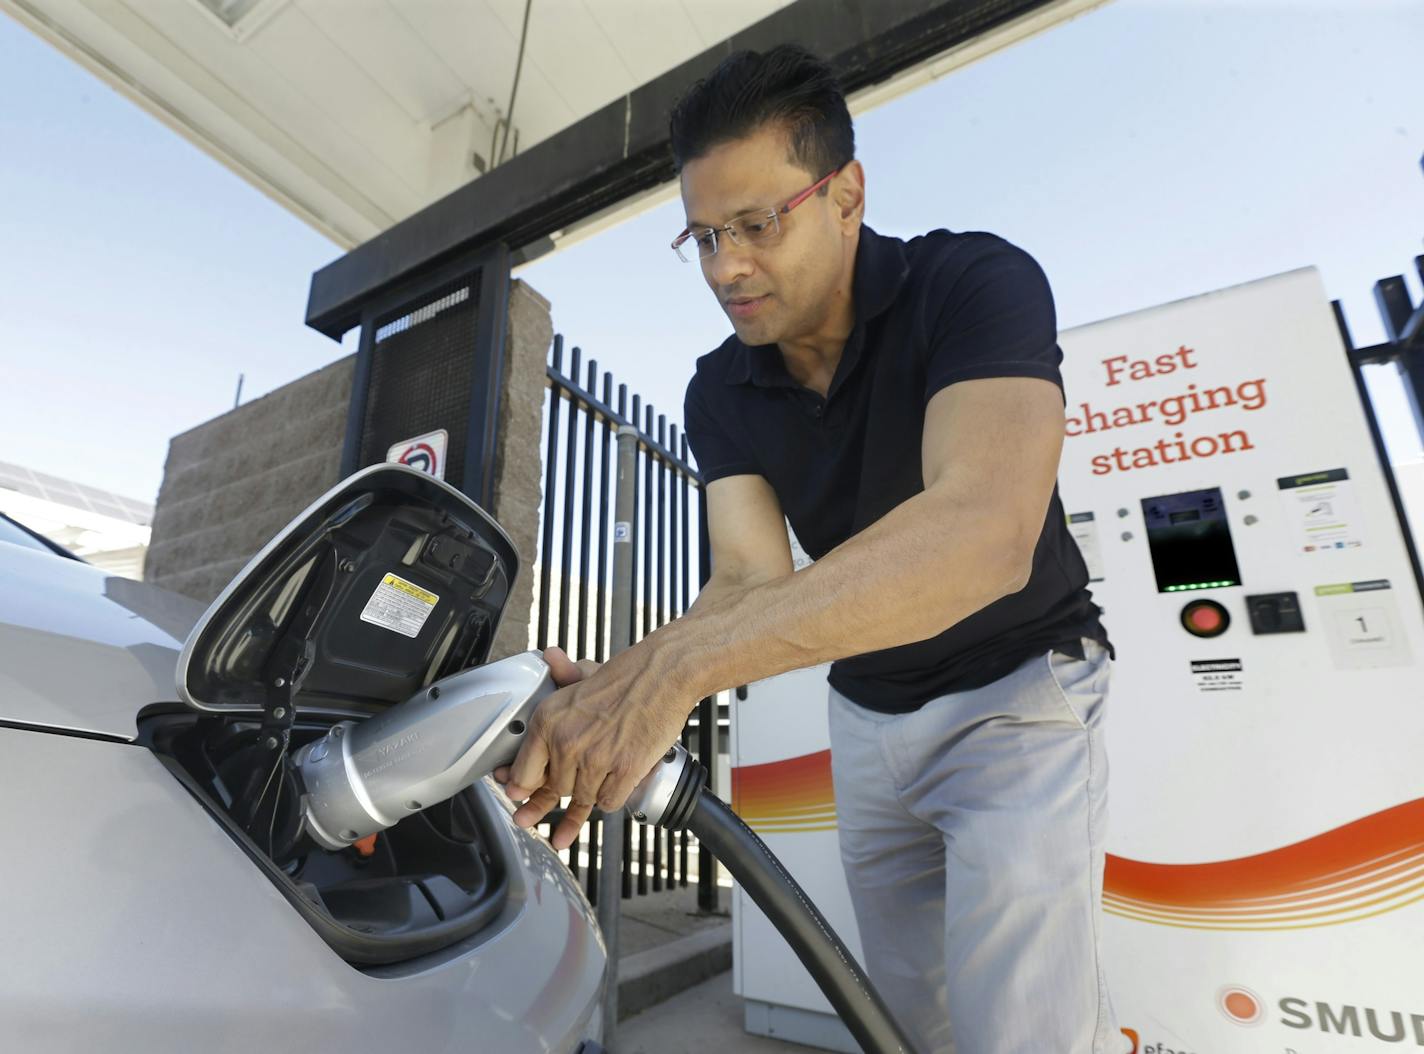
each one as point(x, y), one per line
point(718, 454)
point(996, 319)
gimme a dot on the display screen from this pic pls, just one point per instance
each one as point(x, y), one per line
point(1190, 541)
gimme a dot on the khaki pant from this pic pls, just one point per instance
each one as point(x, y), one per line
point(972, 832)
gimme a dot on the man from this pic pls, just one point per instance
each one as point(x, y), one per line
point(900, 403)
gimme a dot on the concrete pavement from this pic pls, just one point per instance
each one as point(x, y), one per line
point(706, 1017)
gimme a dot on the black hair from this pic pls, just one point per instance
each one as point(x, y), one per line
point(749, 90)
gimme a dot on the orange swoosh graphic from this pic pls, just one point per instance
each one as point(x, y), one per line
point(1356, 871)
point(786, 788)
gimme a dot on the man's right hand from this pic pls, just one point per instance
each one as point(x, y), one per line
point(565, 672)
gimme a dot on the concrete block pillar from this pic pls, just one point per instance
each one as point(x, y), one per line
point(519, 460)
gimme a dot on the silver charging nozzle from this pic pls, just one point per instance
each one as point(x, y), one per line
point(668, 794)
point(362, 777)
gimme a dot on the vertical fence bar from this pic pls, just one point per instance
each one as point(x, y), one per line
point(660, 612)
point(627, 855)
point(682, 836)
point(706, 731)
point(675, 608)
point(551, 474)
point(632, 616)
point(687, 602)
point(673, 612)
point(586, 519)
point(591, 585)
point(599, 654)
point(613, 875)
point(580, 644)
point(634, 524)
point(592, 882)
point(649, 528)
point(566, 540)
point(661, 836)
point(686, 530)
point(660, 616)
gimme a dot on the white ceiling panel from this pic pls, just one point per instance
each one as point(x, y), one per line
point(304, 63)
point(568, 46)
point(652, 36)
point(469, 39)
point(267, 84)
point(355, 114)
point(265, 87)
point(375, 36)
point(474, 42)
point(191, 97)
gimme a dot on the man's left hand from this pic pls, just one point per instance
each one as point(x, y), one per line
point(595, 738)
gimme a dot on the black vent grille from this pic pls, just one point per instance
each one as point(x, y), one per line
point(421, 375)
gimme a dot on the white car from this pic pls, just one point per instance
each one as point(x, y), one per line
point(158, 892)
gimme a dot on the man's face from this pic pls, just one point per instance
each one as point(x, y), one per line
point(777, 289)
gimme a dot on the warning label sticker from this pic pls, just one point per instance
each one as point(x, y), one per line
point(1217, 675)
point(400, 606)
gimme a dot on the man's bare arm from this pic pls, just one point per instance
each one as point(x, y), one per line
point(990, 458)
point(747, 531)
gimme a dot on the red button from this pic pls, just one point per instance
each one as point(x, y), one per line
point(1205, 619)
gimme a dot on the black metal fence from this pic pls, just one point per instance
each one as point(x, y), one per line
point(575, 586)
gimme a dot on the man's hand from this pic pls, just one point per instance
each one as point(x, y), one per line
point(595, 738)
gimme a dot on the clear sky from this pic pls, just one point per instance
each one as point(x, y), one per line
point(1147, 151)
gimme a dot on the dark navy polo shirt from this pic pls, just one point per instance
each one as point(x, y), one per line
point(940, 308)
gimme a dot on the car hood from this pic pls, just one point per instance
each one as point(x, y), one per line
point(82, 650)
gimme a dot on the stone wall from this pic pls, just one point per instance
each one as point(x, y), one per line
point(519, 459)
point(231, 483)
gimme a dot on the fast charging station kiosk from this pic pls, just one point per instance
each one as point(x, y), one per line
point(1265, 878)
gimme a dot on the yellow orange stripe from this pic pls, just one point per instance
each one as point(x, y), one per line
point(828, 809)
point(1291, 872)
point(791, 824)
point(1324, 880)
point(1274, 917)
point(1267, 927)
point(1383, 880)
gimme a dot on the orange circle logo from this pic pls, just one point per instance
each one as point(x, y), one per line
point(1241, 1005)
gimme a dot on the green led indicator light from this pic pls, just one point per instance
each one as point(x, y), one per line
point(1199, 585)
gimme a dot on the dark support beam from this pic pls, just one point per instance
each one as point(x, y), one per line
point(622, 149)
point(1358, 359)
point(1404, 328)
point(1402, 323)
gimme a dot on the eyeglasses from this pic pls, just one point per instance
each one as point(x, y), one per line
point(760, 226)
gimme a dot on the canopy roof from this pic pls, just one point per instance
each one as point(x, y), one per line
point(419, 129)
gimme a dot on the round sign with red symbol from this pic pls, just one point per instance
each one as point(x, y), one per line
point(424, 452)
